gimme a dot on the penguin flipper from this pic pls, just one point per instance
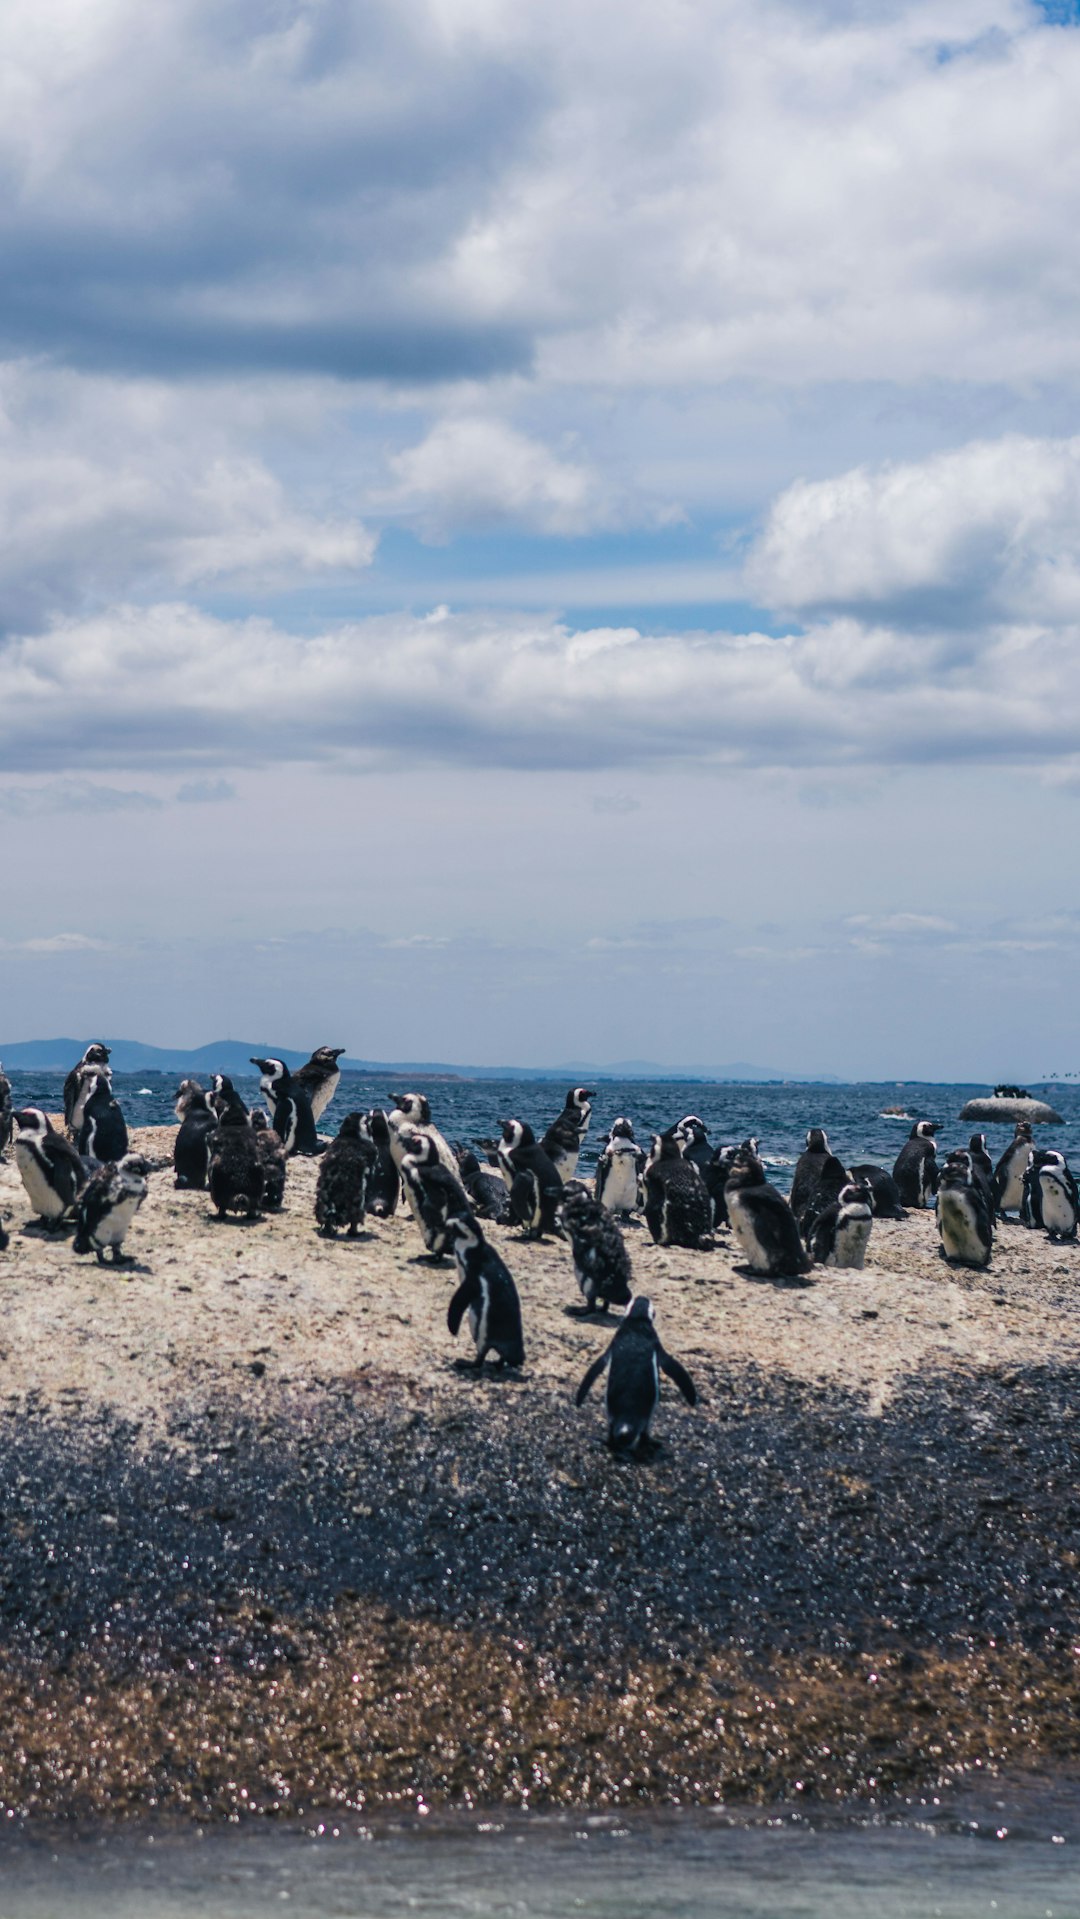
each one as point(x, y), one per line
point(679, 1377)
point(456, 1310)
point(591, 1378)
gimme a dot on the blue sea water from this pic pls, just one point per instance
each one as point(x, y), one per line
point(854, 1116)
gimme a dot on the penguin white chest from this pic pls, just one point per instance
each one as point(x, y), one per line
point(1057, 1208)
point(44, 1200)
point(620, 1184)
point(745, 1231)
point(1014, 1184)
point(112, 1230)
point(959, 1231)
point(852, 1239)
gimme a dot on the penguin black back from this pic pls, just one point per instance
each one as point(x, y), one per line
point(633, 1362)
point(601, 1261)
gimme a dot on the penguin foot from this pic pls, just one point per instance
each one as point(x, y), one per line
point(122, 1259)
point(328, 1232)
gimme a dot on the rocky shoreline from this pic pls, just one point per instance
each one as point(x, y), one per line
point(264, 1549)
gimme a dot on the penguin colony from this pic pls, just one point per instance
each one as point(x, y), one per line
point(688, 1190)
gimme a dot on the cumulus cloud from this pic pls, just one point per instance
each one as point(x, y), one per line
point(985, 531)
point(170, 684)
point(205, 792)
point(72, 796)
point(474, 471)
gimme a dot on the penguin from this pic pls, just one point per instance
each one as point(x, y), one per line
point(981, 1159)
point(87, 1079)
point(763, 1222)
point(694, 1135)
point(601, 1261)
point(818, 1179)
point(270, 1152)
point(7, 1114)
point(489, 1195)
point(434, 1194)
point(1008, 1185)
point(715, 1174)
point(384, 1180)
point(487, 1292)
point(884, 1191)
point(841, 1231)
point(964, 1216)
point(341, 1191)
point(191, 1147)
point(101, 1132)
point(565, 1137)
point(50, 1168)
point(916, 1170)
point(107, 1205)
point(290, 1108)
point(1050, 1195)
point(96, 1054)
point(412, 1114)
point(619, 1169)
point(535, 1186)
point(634, 1362)
point(320, 1078)
point(678, 1211)
point(237, 1179)
point(224, 1095)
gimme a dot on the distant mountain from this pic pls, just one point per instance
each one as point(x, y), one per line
point(233, 1056)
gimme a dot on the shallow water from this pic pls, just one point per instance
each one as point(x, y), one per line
point(854, 1116)
point(1003, 1859)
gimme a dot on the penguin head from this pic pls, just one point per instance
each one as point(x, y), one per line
point(1023, 1130)
point(352, 1126)
point(135, 1163)
point(378, 1126)
point(33, 1122)
point(925, 1128)
point(817, 1140)
point(516, 1133)
point(237, 1116)
point(958, 1169)
point(746, 1169)
point(578, 1097)
point(621, 1129)
point(415, 1108)
point(327, 1057)
point(272, 1069)
point(96, 1055)
point(692, 1129)
point(259, 1121)
point(672, 1144)
point(856, 1197)
point(977, 1143)
point(640, 1309)
point(418, 1146)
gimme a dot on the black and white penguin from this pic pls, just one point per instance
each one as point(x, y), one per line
point(107, 1205)
point(565, 1137)
point(533, 1178)
point(270, 1150)
point(486, 1291)
point(763, 1222)
point(841, 1231)
point(100, 1128)
point(1050, 1195)
point(489, 1195)
point(191, 1147)
point(916, 1168)
point(601, 1261)
point(619, 1169)
point(981, 1159)
point(290, 1108)
point(7, 1112)
point(634, 1362)
point(341, 1191)
point(237, 1179)
point(223, 1095)
point(412, 1114)
point(884, 1191)
point(964, 1216)
point(96, 1054)
point(695, 1138)
point(50, 1168)
point(1008, 1186)
point(384, 1180)
point(715, 1174)
point(435, 1195)
point(678, 1210)
point(818, 1179)
point(320, 1078)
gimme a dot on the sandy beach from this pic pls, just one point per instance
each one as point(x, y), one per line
point(265, 1547)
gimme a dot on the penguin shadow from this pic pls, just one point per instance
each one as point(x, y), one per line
point(486, 1375)
point(784, 1282)
point(648, 1452)
point(237, 1219)
point(51, 1235)
point(346, 1239)
point(590, 1316)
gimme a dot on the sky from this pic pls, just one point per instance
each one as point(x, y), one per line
point(534, 534)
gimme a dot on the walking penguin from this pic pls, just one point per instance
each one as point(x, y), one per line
point(634, 1362)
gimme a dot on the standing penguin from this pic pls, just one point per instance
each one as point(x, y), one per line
point(270, 1152)
point(1050, 1195)
point(884, 1191)
point(7, 1114)
point(237, 1180)
point(964, 1215)
point(565, 1137)
point(535, 1186)
point(412, 1114)
point(841, 1231)
point(762, 1221)
point(489, 1195)
point(818, 1179)
point(678, 1210)
point(619, 1169)
point(601, 1261)
point(320, 1078)
point(224, 1095)
point(981, 1159)
point(1008, 1186)
point(694, 1135)
point(434, 1194)
point(916, 1171)
point(341, 1191)
point(290, 1108)
point(634, 1362)
point(384, 1180)
point(486, 1292)
point(191, 1147)
point(107, 1205)
point(95, 1055)
point(50, 1168)
point(102, 1131)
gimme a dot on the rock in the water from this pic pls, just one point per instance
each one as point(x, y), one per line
point(994, 1109)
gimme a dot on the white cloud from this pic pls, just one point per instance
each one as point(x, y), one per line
point(63, 943)
point(477, 472)
point(72, 796)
